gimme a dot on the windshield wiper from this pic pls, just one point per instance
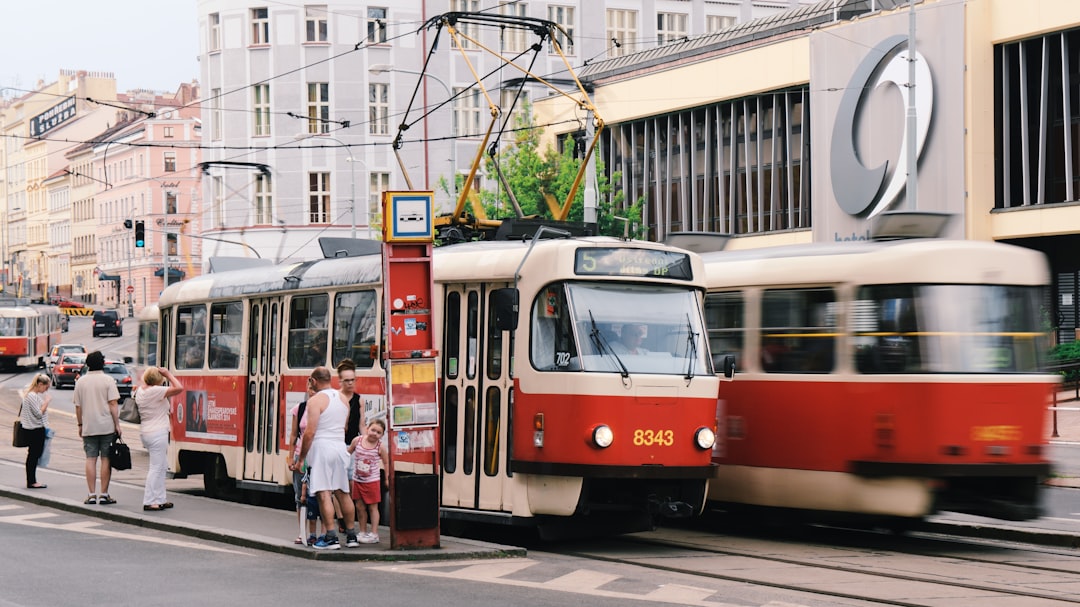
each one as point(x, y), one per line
point(604, 347)
point(691, 338)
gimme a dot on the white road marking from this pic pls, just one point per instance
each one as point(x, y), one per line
point(92, 528)
point(582, 581)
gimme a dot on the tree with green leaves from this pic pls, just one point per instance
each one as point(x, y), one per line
point(530, 174)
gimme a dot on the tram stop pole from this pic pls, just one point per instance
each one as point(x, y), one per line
point(412, 370)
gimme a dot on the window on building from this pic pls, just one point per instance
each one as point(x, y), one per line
point(215, 114)
point(563, 16)
point(318, 198)
point(167, 132)
point(215, 32)
point(264, 200)
point(622, 32)
point(170, 203)
point(316, 23)
point(260, 26)
point(173, 249)
point(514, 40)
point(466, 112)
point(318, 106)
point(670, 27)
point(377, 184)
point(715, 23)
point(260, 97)
point(218, 210)
point(170, 162)
point(467, 29)
point(376, 25)
point(378, 109)
point(517, 112)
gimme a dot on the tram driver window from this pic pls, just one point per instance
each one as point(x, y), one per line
point(798, 330)
point(553, 347)
point(724, 316)
point(308, 331)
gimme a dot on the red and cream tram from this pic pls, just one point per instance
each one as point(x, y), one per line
point(885, 379)
point(546, 424)
point(27, 334)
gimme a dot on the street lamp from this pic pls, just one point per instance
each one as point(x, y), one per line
point(352, 174)
point(382, 68)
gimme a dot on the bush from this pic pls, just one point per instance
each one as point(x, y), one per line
point(1064, 354)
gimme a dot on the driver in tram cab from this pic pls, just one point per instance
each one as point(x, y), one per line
point(630, 339)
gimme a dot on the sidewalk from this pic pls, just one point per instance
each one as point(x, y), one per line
point(274, 530)
point(237, 524)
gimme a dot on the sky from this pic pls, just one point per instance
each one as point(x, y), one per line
point(146, 44)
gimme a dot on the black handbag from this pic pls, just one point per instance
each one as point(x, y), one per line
point(119, 455)
point(21, 438)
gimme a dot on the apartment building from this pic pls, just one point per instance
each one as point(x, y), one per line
point(304, 101)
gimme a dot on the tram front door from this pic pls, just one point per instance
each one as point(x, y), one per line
point(476, 388)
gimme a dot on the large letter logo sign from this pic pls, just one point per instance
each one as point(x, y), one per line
point(862, 191)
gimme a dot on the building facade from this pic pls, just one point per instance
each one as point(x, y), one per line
point(303, 102)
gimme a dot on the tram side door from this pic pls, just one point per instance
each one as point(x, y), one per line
point(476, 373)
point(262, 406)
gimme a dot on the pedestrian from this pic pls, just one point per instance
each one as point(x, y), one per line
point(346, 372)
point(98, 417)
point(369, 457)
point(152, 399)
point(33, 414)
point(323, 450)
point(292, 451)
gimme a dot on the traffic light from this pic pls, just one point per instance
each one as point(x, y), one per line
point(140, 234)
point(127, 223)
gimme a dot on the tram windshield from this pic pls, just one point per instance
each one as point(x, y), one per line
point(948, 329)
point(620, 328)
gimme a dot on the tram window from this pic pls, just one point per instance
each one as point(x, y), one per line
point(450, 429)
point(254, 334)
point(492, 433)
point(166, 336)
point(272, 357)
point(725, 315)
point(226, 327)
point(469, 444)
point(146, 354)
point(307, 331)
point(494, 344)
point(472, 329)
point(190, 337)
point(355, 326)
point(798, 330)
point(452, 334)
point(553, 347)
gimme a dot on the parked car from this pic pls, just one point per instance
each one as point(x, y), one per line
point(125, 381)
point(64, 302)
point(67, 369)
point(107, 322)
point(57, 350)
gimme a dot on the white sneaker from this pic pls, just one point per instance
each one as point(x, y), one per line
point(369, 538)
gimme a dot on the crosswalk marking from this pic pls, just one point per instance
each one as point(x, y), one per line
point(677, 593)
point(47, 520)
point(581, 581)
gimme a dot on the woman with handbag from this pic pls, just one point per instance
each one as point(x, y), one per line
point(33, 415)
point(152, 398)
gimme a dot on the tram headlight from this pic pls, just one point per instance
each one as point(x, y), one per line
point(705, 438)
point(602, 436)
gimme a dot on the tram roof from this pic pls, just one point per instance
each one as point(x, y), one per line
point(920, 260)
point(470, 261)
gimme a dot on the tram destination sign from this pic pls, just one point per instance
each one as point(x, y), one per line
point(604, 261)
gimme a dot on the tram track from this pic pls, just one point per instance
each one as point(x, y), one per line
point(882, 573)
